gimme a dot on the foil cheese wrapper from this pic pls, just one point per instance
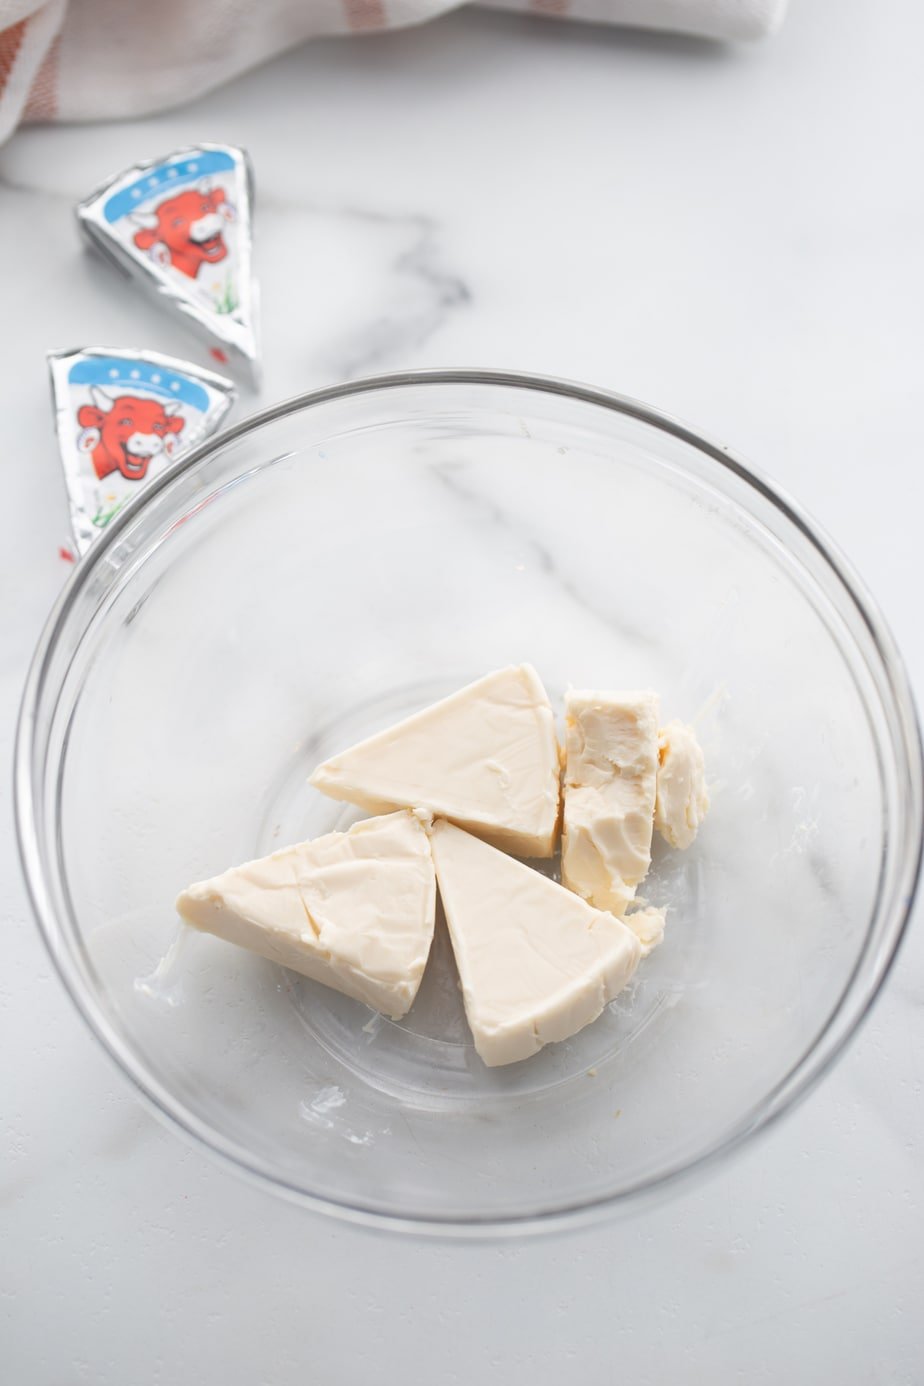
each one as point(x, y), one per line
point(123, 418)
point(181, 225)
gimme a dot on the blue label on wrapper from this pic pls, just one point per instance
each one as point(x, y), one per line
point(121, 374)
point(166, 177)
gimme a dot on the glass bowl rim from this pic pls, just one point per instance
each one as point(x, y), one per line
point(857, 997)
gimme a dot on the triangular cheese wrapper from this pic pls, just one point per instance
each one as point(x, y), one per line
point(123, 418)
point(353, 910)
point(182, 225)
point(485, 758)
point(536, 962)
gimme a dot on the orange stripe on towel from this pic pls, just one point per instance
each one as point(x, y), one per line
point(10, 44)
point(556, 9)
point(43, 97)
point(365, 14)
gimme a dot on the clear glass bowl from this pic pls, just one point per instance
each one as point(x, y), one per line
point(345, 558)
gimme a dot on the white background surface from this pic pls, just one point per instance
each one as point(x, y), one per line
point(734, 235)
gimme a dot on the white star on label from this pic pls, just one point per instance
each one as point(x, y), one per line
point(174, 384)
point(113, 375)
point(134, 375)
point(155, 379)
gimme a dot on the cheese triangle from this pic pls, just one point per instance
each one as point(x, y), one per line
point(486, 758)
point(537, 963)
point(353, 910)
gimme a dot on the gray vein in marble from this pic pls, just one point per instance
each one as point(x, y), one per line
point(391, 335)
point(448, 475)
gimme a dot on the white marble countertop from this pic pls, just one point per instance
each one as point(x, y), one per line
point(732, 235)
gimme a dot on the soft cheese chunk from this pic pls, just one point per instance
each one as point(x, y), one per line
point(648, 926)
point(354, 910)
point(536, 962)
point(611, 766)
point(682, 799)
point(485, 757)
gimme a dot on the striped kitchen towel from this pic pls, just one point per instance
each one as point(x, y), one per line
point(99, 59)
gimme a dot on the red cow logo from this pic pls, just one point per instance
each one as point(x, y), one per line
point(185, 231)
point(124, 433)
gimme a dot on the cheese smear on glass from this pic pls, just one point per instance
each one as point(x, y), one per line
point(610, 785)
point(536, 962)
point(682, 799)
point(485, 758)
point(353, 910)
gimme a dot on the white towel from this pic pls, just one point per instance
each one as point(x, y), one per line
point(98, 59)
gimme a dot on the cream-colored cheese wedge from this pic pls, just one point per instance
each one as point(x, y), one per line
point(354, 910)
point(536, 962)
point(682, 799)
point(610, 781)
point(485, 758)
